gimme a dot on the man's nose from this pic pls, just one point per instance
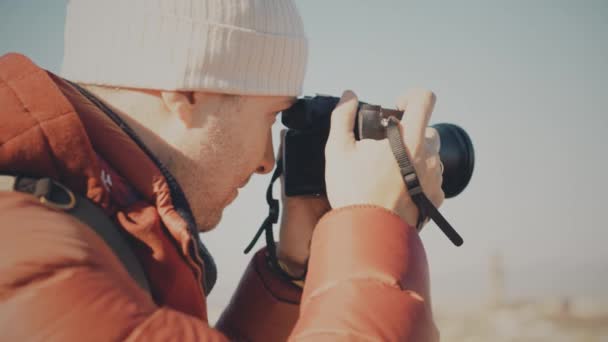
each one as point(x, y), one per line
point(268, 161)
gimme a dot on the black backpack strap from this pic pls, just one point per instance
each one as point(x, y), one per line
point(55, 195)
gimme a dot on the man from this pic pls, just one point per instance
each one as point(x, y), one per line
point(169, 115)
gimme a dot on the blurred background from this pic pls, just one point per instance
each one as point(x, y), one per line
point(527, 80)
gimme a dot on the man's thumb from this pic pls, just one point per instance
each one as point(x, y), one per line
point(416, 117)
point(343, 120)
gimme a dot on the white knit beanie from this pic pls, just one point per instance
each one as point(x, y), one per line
point(249, 47)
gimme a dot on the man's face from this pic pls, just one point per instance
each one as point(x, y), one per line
point(228, 140)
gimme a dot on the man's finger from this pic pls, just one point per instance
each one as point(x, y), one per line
point(341, 132)
point(433, 165)
point(437, 198)
point(418, 105)
point(402, 101)
point(432, 140)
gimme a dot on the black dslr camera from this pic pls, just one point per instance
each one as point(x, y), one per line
point(308, 121)
point(303, 161)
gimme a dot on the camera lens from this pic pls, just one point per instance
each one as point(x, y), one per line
point(458, 158)
point(308, 121)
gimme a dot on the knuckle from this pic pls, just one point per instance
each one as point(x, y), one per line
point(436, 159)
point(348, 98)
point(432, 162)
point(349, 93)
point(434, 182)
point(430, 148)
point(428, 96)
point(439, 200)
point(431, 134)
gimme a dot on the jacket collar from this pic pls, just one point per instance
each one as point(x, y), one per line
point(153, 180)
point(49, 128)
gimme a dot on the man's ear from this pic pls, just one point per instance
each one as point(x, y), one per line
point(180, 104)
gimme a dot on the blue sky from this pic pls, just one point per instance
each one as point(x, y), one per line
point(526, 79)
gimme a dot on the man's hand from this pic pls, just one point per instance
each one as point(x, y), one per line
point(299, 217)
point(366, 172)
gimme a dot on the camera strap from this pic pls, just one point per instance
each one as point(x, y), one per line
point(267, 225)
point(425, 206)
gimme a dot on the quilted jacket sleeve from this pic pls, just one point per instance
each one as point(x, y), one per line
point(264, 306)
point(367, 281)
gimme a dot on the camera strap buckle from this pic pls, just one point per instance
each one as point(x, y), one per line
point(412, 182)
point(271, 219)
point(273, 210)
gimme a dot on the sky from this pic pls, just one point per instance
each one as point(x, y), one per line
point(526, 79)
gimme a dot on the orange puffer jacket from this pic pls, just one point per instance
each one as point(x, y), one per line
point(367, 278)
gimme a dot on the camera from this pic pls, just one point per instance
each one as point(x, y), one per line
point(302, 163)
point(308, 123)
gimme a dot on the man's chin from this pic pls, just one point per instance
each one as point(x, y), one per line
point(211, 218)
point(233, 195)
point(209, 222)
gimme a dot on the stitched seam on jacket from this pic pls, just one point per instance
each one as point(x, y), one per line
point(137, 331)
point(43, 131)
point(334, 284)
point(334, 332)
point(33, 127)
point(49, 274)
point(360, 206)
point(22, 76)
